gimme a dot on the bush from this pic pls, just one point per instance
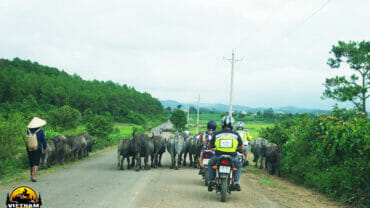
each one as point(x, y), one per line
point(135, 118)
point(87, 115)
point(12, 144)
point(100, 127)
point(65, 117)
point(328, 152)
point(136, 130)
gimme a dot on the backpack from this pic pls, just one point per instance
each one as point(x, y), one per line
point(32, 143)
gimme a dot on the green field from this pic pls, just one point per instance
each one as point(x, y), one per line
point(252, 126)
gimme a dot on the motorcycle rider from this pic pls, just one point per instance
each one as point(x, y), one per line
point(204, 140)
point(227, 123)
point(246, 137)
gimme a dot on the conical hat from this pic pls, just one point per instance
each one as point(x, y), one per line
point(36, 123)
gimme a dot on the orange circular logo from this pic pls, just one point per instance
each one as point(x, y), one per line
point(23, 196)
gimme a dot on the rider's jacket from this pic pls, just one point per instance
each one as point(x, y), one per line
point(226, 142)
point(205, 137)
point(244, 135)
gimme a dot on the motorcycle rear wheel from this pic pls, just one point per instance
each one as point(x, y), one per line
point(223, 189)
point(206, 178)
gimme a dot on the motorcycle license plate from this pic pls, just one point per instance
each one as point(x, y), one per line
point(224, 169)
point(205, 161)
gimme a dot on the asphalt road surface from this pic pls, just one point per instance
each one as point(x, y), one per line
point(97, 183)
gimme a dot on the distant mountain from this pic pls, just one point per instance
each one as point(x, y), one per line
point(292, 109)
point(170, 103)
point(224, 108)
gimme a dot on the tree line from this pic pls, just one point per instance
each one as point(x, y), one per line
point(33, 88)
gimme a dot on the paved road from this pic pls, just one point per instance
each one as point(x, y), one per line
point(97, 183)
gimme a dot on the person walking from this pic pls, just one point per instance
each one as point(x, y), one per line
point(36, 145)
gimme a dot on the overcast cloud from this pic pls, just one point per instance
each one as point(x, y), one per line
point(174, 49)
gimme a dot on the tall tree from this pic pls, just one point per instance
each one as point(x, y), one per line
point(356, 55)
point(178, 118)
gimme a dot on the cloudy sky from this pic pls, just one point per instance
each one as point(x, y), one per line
point(174, 49)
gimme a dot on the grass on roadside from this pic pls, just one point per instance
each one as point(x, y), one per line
point(263, 179)
point(266, 181)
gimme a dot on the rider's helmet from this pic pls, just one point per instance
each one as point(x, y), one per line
point(240, 125)
point(227, 121)
point(212, 124)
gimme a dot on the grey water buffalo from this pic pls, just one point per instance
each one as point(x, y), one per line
point(188, 142)
point(124, 152)
point(258, 150)
point(89, 143)
point(197, 147)
point(142, 145)
point(176, 146)
point(78, 146)
point(193, 150)
point(62, 148)
point(273, 156)
point(159, 149)
point(48, 157)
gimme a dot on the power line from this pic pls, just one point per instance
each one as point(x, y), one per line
point(306, 19)
point(314, 12)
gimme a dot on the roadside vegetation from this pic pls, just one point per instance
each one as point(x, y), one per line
point(329, 153)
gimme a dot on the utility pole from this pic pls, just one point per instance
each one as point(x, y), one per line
point(232, 61)
point(198, 114)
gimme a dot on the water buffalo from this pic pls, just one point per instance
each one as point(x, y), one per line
point(193, 150)
point(176, 146)
point(197, 148)
point(48, 157)
point(273, 156)
point(78, 146)
point(62, 148)
point(89, 143)
point(124, 151)
point(159, 149)
point(258, 150)
point(142, 145)
point(188, 141)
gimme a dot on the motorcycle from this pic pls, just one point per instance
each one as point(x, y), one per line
point(206, 157)
point(224, 182)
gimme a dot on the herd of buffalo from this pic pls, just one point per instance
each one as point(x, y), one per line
point(152, 147)
point(62, 149)
point(181, 146)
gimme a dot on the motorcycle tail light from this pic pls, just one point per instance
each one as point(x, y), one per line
point(225, 162)
point(207, 155)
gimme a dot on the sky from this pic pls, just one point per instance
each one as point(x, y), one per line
point(176, 49)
